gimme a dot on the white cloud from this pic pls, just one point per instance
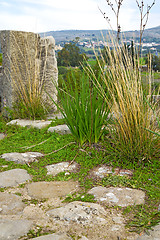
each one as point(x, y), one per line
point(5, 4)
point(23, 23)
point(48, 15)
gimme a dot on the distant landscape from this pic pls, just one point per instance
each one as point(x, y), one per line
point(89, 38)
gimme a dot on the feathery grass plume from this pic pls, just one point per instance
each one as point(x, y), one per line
point(122, 78)
point(26, 80)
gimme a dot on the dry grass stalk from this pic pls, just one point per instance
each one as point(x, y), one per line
point(25, 76)
point(122, 78)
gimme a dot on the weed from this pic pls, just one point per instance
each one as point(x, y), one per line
point(83, 197)
point(37, 232)
point(33, 201)
point(144, 218)
point(18, 194)
point(116, 181)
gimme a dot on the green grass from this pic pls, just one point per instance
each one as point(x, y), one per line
point(1, 56)
point(156, 75)
point(146, 175)
point(92, 62)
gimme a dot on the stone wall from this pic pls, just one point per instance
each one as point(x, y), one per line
point(29, 62)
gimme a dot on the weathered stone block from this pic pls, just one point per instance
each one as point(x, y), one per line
point(28, 61)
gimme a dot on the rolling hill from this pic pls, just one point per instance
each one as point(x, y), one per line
point(150, 35)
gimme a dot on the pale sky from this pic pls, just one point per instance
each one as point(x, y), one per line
point(51, 15)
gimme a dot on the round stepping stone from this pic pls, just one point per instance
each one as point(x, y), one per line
point(31, 123)
point(10, 204)
point(54, 169)
point(21, 158)
point(41, 190)
point(13, 229)
point(53, 236)
point(13, 177)
point(118, 196)
point(61, 129)
point(83, 213)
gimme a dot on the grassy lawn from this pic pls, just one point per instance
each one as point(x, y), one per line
point(146, 175)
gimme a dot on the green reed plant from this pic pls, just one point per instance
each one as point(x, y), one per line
point(83, 108)
point(128, 138)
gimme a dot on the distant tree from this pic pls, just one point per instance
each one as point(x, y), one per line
point(70, 55)
point(155, 62)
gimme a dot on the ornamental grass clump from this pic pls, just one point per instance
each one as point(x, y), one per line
point(83, 108)
point(128, 139)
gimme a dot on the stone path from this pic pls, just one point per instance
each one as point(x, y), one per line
point(103, 171)
point(54, 169)
point(42, 190)
point(13, 229)
point(30, 123)
point(21, 158)
point(40, 204)
point(62, 129)
point(13, 177)
point(122, 197)
point(45, 207)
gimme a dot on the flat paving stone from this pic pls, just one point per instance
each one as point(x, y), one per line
point(10, 204)
point(153, 234)
point(30, 123)
point(41, 190)
point(13, 177)
point(61, 129)
point(54, 169)
point(80, 212)
point(21, 158)
point(55, 116)
point(103, 171)
point(53, 236)
point(13, 229)
point(118, 196)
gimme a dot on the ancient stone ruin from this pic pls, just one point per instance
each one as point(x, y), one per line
point(28, 62)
